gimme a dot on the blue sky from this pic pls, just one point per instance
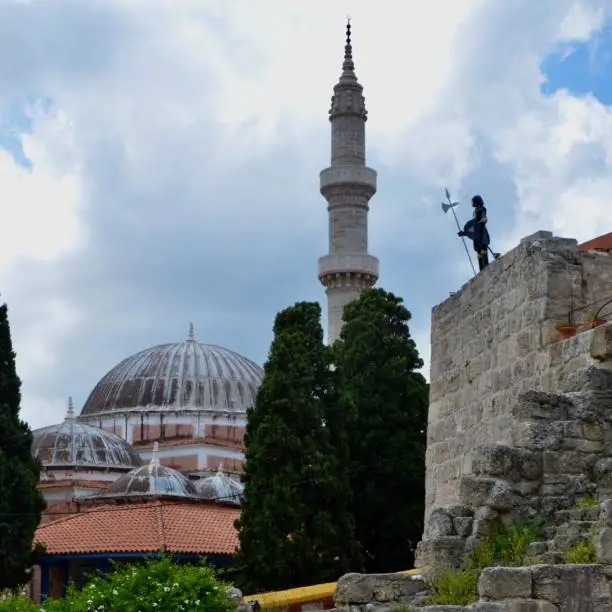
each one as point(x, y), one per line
point(583, 68)
point(161, 167)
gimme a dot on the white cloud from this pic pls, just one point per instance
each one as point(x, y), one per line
point(174, 117)
point(39, 206)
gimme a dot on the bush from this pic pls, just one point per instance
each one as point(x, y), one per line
point(152, 586)
point(582, 552)
point(506, 546)
point(588, 501)
point(18, 603)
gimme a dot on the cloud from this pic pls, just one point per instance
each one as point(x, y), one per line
point(167, 170)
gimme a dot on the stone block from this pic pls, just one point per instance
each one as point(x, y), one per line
point(444, 609)
point(495, 460)
point(355, 589)
point(574, 588)
point(497, 583)
point(603, 545)
point(601, 343)
point(440, 524)
point(541, 406)
point(463, 526)
point(605, 512)
point(440, 553)
point(590, 378)
point(530, 464)
point(538, 435)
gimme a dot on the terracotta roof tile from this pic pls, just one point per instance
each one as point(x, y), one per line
point(601, 242)
point(197, 528)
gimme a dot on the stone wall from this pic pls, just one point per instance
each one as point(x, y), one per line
point(496, 339)
point(539, 588)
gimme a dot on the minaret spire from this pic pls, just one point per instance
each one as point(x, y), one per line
point(347, 185)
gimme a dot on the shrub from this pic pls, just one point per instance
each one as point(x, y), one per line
point(588, 501)
point(18, 603)
point(152, 586)
point(506, 546)
point(454, 587)
point(582, 552)
point(510, 544)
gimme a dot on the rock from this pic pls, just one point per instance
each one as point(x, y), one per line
point(463, 526)
point(501, 497)
point(605, 512)
point(538, 435)
point(475, 491)
point(540, 406)
point(505, 583)
point(575, 588)
point(529, 464)
point(443, 609)
point(591, 378)
point(353, 589)
point(440, 524)
point(603, 545)
point(441, 552)
point(494, 460)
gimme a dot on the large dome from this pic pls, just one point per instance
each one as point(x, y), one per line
point(182, 375)
point(74, 444)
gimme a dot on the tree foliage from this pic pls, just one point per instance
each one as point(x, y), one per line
point(21, 503)
point(295, 526)
point(382, 416)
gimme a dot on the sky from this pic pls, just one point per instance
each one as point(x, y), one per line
point(159, 160)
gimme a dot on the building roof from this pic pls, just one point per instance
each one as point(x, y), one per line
point(72, 444)
point(220, 488)
point(154, 480)
point(601, 243)
point(189, 375)
point(178, 527)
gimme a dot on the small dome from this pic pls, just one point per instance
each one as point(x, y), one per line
point(220, 488)
point(187, 374)
point(153, 480)
point(74, 444)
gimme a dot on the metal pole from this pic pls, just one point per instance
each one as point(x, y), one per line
point(467, 251)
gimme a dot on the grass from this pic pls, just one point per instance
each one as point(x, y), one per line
point(582, 552)
point(506, 546)
point(588, 501)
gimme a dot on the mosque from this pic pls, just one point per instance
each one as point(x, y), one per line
point(153, 458)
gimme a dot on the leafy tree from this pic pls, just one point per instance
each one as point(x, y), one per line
point(21, 503)
point(295, 526)
point(382, 416)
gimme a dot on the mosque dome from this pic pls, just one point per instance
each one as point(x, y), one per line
point(152, 480)
point(181, 375)
point(75, 444)
point(220, 488)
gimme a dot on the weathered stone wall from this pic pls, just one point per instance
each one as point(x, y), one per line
point(496, 338)
point(538, 588)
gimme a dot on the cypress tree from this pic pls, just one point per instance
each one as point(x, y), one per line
point(383, 411)
point(21, 503)
point(295, 526)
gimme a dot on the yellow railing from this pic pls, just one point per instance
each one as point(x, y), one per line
point(277, 600)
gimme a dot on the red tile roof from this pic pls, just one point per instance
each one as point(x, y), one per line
point(180, 527)
point(602, 242)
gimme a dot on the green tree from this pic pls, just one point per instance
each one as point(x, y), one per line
point(295, 526)
point(382, 416)
point(21, 503)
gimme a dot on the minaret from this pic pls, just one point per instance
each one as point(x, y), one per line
point(347, 185)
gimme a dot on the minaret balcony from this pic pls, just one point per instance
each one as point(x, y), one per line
point(348, 175)
point(348, 263)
